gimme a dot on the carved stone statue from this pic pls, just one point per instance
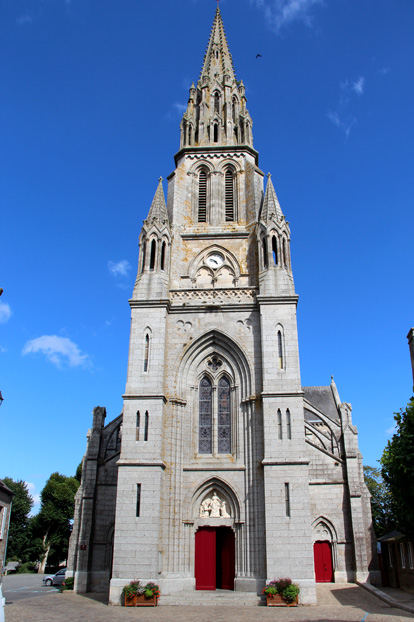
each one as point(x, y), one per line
point(213, 508)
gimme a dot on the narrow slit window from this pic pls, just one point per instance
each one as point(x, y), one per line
point(264, 246)
point(152, 255)
point(138, 507)
point(138, 426)
point(224, 417)
point(274, 249)
point(279, 424)
point(288, 424)
point(146, 352)
point(217, 103)
point(202, 197)
point(229, 195)
point(144, 248)
point(146, 425)
point(402, 555)
point(284, 253)
point(215, 133)
point(280, 349)
point(189, 135)
point(163, 247)
point(287, 500)
point(205, 416)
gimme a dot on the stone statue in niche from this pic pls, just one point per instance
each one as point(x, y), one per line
point(213, 507)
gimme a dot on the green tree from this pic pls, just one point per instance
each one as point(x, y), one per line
point(19, 519)
point(397, 468)
point(381, 504)
point(51, 527)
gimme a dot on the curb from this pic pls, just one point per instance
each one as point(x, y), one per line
point(387, 599)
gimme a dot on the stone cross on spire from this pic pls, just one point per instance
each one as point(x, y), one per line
point(218, 60)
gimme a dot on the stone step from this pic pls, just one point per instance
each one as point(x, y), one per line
point(208, 598)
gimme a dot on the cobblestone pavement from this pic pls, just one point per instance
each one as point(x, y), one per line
point(340, 603)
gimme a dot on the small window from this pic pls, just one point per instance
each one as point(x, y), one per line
point(189, 135)
point(402, 555)
point(137, 426)
point(146, 425)
point(138, 507)
point(288, 424)
point(274, 249)
point(215, 133)
point(217, 101)
point(284, 254)
point(233, 109)
point(144, 248)
point(153, 254)
point(3, 515)
point(264, 247)
point(287, 500)
point(163, 247)
point(146, 352)
point(217, 53)
point(280, 349)
point(229, 195)
point(224, 417)
point(202, 196)
point(279, 424)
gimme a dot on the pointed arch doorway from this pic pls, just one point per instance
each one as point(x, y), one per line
point(323, 561)
point(214, 558)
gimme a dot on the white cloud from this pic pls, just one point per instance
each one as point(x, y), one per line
point(344, 124)
point(32, 491)
point(119, 268)
point(58, 350)
point(280, 13)
point(391, 431)
point(5, 312)
point(176, 111)
point(24, 19)
point(358, 85)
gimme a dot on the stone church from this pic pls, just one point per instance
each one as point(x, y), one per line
point(222, 470)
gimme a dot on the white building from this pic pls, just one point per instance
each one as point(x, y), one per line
point(222, 471)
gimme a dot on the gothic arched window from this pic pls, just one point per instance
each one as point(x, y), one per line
point(274, 249)
point(264, 246)
point(229, 195)
point(279, 424)
point(215, 129)
point(288, 424)
point(280, 349)
point(217, 103)
point(146, 352)
point(153, 254)
point(163, 247)
point(224, 417)
point(284, 254)
point(205, 416)
point(144, 248)
point(202, 196)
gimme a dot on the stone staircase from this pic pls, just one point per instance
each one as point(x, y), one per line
point(206, 598)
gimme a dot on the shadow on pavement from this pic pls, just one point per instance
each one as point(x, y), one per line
point(357, 597)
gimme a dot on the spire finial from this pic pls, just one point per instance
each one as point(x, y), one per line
point(160, 179)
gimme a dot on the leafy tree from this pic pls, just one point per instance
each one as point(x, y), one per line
point(78, 474)
point(51, 527)
point(19, 519)
point(397, 468)
point(381, 503)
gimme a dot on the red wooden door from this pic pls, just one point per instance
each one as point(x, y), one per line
point(225, 558)
point(205, 558)
point(322, 552)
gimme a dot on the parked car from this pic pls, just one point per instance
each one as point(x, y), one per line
point(55, 579)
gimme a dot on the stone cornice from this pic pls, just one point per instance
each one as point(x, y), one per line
point(211, 150)
point(148, 303)
point(268, 394)
point(136, 463)
point(287, 462)
point(271, 300)
point(136, 396)
point(215, 235)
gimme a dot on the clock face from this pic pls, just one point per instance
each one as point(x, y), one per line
point(215, 260)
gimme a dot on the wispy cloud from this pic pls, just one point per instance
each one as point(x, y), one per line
point(35, 496)
point(342, 118)
point(5, 312)
point(176, 111)
point(281, 13)
point(58, 350)
point(391, 431)
point(119, 268)
point(24, 19)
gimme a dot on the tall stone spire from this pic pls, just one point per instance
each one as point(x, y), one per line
point(271, 205)
point(158, 209)
point(216, 113)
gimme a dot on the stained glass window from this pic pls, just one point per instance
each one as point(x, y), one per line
point(224, 417)
point(205, 413)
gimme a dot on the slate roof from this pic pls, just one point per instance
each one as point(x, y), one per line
point(322, 398)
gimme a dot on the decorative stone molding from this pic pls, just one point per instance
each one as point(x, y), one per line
point(214, 363)
point(212, 296)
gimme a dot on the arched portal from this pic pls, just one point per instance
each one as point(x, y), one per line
point(323, 551)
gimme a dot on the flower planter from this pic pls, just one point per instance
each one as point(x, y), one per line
point(146, 601)
point(275, 600)
point(131, 601)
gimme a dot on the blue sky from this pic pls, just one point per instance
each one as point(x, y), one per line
point(91, 100)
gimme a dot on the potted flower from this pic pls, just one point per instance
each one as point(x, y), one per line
point(148, 595)
point(130, 593)
point(281, 593)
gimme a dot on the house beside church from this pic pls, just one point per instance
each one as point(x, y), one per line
point(222, 471)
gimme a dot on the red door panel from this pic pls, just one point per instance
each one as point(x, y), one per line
point(322, 552)
point(205, 558)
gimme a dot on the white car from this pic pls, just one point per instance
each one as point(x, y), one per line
point(55, 579)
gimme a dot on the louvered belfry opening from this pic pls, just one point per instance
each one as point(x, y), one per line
point(229, 195)
point(202, 196)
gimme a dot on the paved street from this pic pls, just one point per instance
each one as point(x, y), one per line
point(16, 587)
point(340, 603)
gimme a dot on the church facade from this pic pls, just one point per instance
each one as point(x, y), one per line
point(222, 470)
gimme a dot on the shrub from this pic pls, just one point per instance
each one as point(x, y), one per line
point(27, 567)
point(290, 592)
